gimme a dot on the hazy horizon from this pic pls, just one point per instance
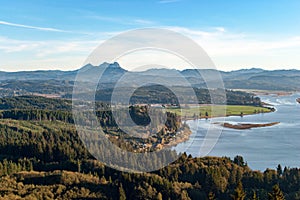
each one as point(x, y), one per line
point(130, 69)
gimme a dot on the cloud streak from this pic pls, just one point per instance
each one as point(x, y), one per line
point(16, 55)
point(123, 21)
point(46, 48)
point(225, 43)
point(32, 27)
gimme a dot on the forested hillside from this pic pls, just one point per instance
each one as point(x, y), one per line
point(42, 157)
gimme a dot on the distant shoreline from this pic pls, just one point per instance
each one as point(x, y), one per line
point(267, 92)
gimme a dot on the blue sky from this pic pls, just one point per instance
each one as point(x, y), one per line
point(236, 34)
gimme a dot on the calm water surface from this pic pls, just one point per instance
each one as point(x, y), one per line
point(261, 147)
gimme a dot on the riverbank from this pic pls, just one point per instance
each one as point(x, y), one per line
point(267, 92)
point(230, 110)
point(180, 137)
point(209, 111)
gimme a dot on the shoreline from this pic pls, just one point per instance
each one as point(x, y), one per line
point(207, 111)
point(183, 136)
point(268, 92)
point(186, 134)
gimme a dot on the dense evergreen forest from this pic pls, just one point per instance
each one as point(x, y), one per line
point(42, 157)
point(159, 94)
point(146, 94)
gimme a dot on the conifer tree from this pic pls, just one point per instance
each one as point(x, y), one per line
point(239, 193)
point(276, 193)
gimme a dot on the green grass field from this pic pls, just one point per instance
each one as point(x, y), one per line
point(218, 111)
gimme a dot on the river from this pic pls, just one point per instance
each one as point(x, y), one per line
point(261, 147)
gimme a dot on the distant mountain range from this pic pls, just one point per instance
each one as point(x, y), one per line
point(241, 79)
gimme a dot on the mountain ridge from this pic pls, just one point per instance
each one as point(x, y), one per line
point(116, 63)
point(237, 79)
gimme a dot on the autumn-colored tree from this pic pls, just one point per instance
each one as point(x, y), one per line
point(276, 193)
point(254, 197)
point(122, 195)
point(239, 193)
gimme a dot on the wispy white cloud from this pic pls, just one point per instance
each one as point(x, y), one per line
point(45, 48)
point(53, 54)
point(194, 32)
point(228, 49)
point(223, 42)
point(122, 20)
point(32, 27)
point(143, 22)
point(220, 29)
